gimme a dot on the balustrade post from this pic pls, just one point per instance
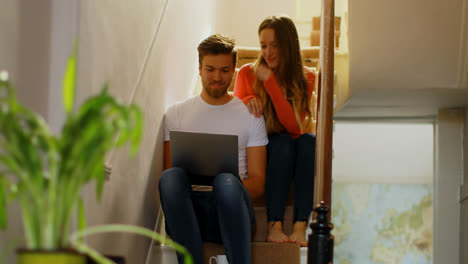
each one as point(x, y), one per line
point(320, 244)
point(321, 241)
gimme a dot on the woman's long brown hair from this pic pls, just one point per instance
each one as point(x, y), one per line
point(289, 74)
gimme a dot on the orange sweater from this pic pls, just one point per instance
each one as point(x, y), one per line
point(243, 89)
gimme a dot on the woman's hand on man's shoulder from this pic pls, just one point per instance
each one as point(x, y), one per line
point(255, 107)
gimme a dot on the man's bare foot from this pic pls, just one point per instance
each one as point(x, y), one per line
point(299, 234)
point(275, 232)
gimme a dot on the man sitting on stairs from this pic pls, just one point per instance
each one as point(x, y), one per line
point(223, 214)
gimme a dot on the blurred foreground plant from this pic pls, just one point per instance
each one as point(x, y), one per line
point(46, 173)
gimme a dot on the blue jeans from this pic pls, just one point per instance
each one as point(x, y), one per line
point(290, 159)
point(224, 215)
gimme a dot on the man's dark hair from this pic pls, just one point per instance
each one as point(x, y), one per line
point(217, 44)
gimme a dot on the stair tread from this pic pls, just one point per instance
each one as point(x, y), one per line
point(262, 252)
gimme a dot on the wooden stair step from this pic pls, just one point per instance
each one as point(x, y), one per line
point(262, 252)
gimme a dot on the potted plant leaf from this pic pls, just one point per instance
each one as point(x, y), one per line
point(46, 173)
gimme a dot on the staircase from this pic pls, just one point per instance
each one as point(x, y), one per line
point(320, 247)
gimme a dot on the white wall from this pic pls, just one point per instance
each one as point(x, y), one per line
point(153, 67)
point(407, 44)
point(447, 183)
point(383, 152)
point(9, 36)
point(240, 19)
point(33, 54)
point(63, 32)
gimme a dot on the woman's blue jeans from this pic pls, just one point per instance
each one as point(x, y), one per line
point(224, 215)
point(290, 159)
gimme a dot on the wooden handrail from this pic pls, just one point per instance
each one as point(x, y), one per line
point(323, 156)
point(320, 244)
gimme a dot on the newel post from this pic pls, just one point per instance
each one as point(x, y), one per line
point(320, 245)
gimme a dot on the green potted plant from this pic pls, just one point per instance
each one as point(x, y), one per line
point(46, 173)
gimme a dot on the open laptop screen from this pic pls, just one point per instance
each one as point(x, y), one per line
point(204, 155)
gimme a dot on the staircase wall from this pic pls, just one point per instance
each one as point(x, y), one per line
point(149, 60)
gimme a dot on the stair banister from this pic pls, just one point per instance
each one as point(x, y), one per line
point(320, 243)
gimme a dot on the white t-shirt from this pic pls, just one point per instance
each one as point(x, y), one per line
point(232, 118)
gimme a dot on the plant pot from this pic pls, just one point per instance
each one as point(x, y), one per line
point(49, 257)
point(115, 259)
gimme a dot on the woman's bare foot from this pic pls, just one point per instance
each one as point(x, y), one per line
point(275, 232)
point(299, 234)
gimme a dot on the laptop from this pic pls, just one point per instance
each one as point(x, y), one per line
point(204, 155)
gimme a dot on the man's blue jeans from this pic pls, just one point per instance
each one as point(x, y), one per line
point(224, 215)
point(290, 159)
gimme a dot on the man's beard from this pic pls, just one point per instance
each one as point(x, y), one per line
point(215, 93)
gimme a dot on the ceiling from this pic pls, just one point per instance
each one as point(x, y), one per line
point(407, 58)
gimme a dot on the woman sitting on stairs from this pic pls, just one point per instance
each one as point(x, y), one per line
point(280, 87)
